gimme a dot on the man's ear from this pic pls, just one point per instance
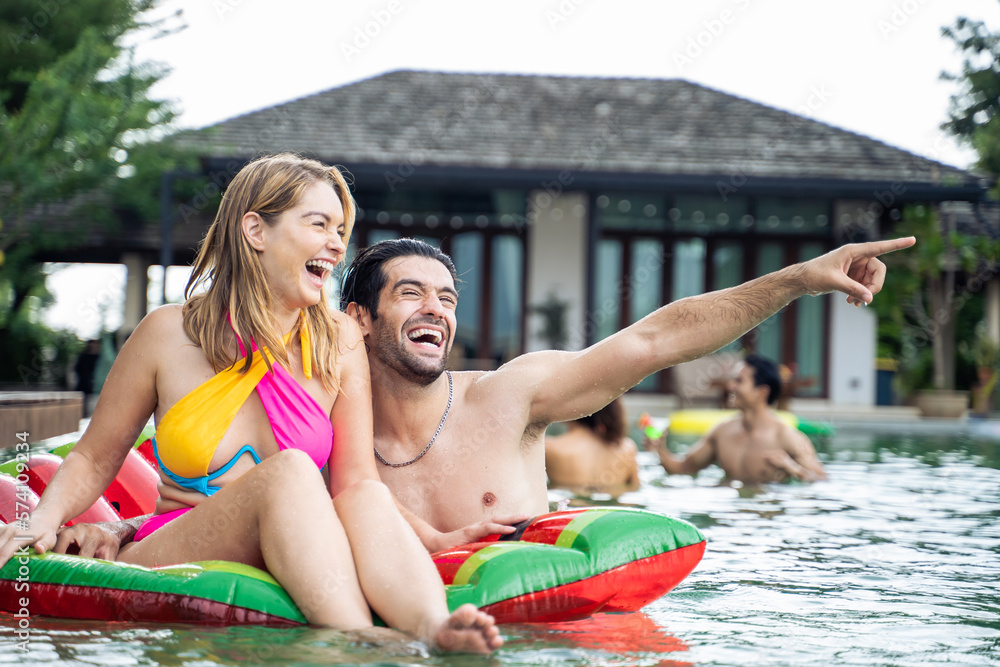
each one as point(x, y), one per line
point(360, 316)
point(253, 230)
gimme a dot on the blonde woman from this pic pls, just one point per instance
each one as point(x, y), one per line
point(255, 385)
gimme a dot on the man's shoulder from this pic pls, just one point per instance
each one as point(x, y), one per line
point(468, 381)
point(727, 425)
point(480, 390)
point(509, 378)
point(780, 423)
point(792, 435)
point(497, 401)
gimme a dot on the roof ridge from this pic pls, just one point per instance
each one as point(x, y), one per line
point(664, 134)
point(822, 123)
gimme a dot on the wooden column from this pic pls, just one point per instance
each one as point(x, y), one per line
point(993, 309)
point(136, 286)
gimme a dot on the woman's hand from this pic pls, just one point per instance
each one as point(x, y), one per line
point(38, 531)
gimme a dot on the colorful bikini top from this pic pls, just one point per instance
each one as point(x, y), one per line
point(191, 430)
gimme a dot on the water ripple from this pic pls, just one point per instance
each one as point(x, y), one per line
point(894, 561)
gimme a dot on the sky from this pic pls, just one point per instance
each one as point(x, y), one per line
point(868, 66)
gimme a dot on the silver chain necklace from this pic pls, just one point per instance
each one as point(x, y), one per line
point(451, 395)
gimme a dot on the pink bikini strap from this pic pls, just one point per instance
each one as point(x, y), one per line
point(297, 420)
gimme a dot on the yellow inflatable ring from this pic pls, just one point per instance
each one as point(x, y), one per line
point(700, 422)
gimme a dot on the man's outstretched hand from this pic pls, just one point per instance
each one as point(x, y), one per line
point(853, 269)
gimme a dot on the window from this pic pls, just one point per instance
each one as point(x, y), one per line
point(628, 285)
point(506, 304)
point(727, 271)
point(689, 268)
point(811, 328)
point(650, 246)
point(467, 253)
point(768, 334)
point(646, 282)
point(608, 288)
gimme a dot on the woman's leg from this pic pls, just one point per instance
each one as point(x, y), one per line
point(278, 516)
point(399, 578)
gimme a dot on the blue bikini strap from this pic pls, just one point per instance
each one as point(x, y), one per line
point(200, 484)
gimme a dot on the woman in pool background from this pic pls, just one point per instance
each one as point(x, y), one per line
point(594, 454)
point(263, 423)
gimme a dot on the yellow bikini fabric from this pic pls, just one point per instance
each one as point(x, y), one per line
point(189, 433)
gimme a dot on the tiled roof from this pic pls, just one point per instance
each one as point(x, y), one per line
point(648, 126)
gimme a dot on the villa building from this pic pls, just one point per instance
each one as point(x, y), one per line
point(594, 199)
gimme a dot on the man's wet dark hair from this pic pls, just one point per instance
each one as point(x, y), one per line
point(765, 373)
point(366, 277)
point(608, 423)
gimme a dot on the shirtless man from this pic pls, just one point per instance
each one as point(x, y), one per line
point(756, 446)
point(459, 470)
point(463, 451)
point(594, 454)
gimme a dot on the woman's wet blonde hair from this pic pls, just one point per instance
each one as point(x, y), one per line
point(230, 269)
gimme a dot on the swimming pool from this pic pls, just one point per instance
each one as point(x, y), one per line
point(894, 561)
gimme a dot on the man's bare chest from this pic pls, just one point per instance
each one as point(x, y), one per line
point(745, 454)
point(459, 480)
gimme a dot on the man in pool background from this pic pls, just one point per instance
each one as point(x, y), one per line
point(756, 446)
point(464, 451)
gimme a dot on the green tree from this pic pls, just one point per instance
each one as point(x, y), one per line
point(928, 294)
point(932, 298)
point(77, 132)
point(974, 115)
point(553, 313)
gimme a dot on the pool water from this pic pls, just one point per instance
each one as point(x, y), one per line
point(894, 561)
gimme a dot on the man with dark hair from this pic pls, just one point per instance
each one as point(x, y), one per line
point(756, 446)
point(464, 452)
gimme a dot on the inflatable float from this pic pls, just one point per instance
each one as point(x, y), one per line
point(559, 566)
point(699, 422)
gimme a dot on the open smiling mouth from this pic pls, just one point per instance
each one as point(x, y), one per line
point(426, 337)
point(319, 268)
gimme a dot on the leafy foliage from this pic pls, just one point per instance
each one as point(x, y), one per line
point(553, 313)
point(933, 296)
point(932, 301)
point(974, 116)
point(76, 122)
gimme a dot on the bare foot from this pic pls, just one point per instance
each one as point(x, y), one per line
point(467, 630)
